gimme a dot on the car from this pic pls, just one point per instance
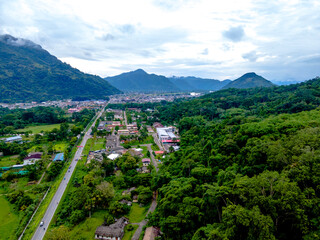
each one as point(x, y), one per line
point(41, 223)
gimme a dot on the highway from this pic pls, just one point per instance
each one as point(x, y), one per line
point(41, 231)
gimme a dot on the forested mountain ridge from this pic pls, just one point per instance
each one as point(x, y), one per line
point(140, 81)
point(30, 73)
point(248, 166)
point(252, 102)
point(198, 84)
point(249, 80)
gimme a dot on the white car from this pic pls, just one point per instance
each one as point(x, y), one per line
point(41, 223)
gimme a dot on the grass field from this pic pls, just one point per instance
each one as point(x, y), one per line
point(8, 220)
point(137, 213)
point(155, 147)
point(57, 146)
point(60, 147)
point(99, 144)
point(39, 128)
point(148, 140)
point(8, 160)
point(87, 228)
point(144, 151)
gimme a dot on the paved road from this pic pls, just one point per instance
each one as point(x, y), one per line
point(125, 119)
point(154, 161)
point(40, 232)
point(156, 140)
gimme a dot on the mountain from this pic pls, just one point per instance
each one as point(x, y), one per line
point(249, 80)
point(198, 84)
point(30, 73)
point(140, 81)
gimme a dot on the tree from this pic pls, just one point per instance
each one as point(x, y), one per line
point(105, 193)
point(59, 233)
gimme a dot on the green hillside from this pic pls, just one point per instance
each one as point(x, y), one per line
point(249, 80)
point(247, 168)
point(30, 73)
point(198, 84)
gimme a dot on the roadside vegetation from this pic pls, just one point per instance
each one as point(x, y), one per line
point(20, 189)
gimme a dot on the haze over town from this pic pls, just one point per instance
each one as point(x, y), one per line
point(212, 39)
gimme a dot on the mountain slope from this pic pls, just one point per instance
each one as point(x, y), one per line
point(30, 73)
point(140, 81)
point(249, 80)
point(198, 84)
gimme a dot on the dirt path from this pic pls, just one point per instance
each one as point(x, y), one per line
point(143, 222)
point(44, 173)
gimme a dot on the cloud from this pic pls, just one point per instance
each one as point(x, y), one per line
point(216, 39)
point(108, 37)
point(235, 34)
point(127, 28)
point(205, 51)
point(251, 56)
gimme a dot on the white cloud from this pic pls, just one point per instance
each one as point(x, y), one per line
point(107, 37)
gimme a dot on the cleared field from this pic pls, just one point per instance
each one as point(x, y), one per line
point(8, 160)
point(99, 144)
point(137, 213)
point(8, 220)
point(87, 228)
point(39, 128)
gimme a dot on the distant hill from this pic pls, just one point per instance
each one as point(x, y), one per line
point(249, 80)
point(30, 73)
point(140, 81)
point(198, 84)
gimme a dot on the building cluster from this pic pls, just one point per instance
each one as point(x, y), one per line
point(146, 98)
point(31, 159)
point(61, 104)
point(167, 136)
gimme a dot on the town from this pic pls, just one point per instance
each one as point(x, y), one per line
point(126, 143)
point(119, 98)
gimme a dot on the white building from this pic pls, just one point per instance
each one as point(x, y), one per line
point(14, 139)
point(113, 156)
point(166, 133)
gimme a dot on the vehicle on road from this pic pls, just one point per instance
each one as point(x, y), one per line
point(41, 223)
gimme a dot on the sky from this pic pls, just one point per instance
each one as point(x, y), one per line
point(219, 39)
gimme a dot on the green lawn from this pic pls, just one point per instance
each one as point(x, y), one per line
point(155, 147)
point(8, 220)
point(39, 128)
point(148, 140)
point(87, 228)
point(8, 160)
point(57, 146)
point(128, 234)
point(60, 147)
point(144, 151)
point(137, 213)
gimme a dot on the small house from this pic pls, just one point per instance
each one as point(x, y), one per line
point(59, 157)
point(146, 162)
point(114, 231)
point(32, 158)
point(113, 156)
